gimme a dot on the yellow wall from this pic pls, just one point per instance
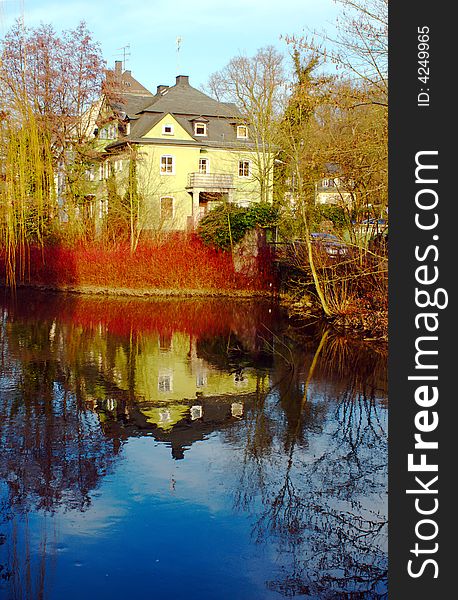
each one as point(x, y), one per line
point(153, 184)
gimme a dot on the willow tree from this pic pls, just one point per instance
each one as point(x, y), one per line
point(26, 189)
point(53, 79)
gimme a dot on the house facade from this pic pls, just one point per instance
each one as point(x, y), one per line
point(191, 152)
point(333, 189)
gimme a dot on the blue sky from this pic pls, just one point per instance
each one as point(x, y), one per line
point(212, 32)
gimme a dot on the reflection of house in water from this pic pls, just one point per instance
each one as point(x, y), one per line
point(178, 397)
point(164, 373)
point(178, 424)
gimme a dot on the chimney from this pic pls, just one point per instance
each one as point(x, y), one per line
point(161, 89)
point(118, 67)
point(182, 80)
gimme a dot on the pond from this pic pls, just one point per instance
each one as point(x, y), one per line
point(187, 449)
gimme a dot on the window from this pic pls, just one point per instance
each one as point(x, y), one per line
point(167, 165)
point(104, 170)
point(204, 166)
point(328, 183)
point(196, 412)
point(200, 129)
point(166, 208)
point(164, 383)
point(237, 409)
point(165, 342)
point(201, 380)
point(244, 168)
point(89, 174)
point(167, 129)
point(242, 132)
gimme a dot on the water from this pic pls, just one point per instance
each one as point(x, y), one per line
point(192, 449)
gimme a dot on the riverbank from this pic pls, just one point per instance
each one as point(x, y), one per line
point(92, 290)
point(366, 319)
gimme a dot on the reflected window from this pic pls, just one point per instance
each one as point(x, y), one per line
point(164, 383)
point(165, 342)
point(164, 416)
point(239, 378)
point(196, 412)
point(201, 380)
point(237, 409)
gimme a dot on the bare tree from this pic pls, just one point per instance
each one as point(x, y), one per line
point(257, 86)
point(58, 76)
point(359, 49)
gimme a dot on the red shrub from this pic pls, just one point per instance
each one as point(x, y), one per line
point(178, 262)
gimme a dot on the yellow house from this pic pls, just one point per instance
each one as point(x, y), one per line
point(191, 152)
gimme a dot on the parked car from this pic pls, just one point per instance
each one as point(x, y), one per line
point(378, 223)
point(330, 244)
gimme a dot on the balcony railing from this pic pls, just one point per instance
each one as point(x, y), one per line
point(211, 181)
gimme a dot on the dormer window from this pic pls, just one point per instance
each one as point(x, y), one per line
point(242, 132)
point(200, 128)
point(167, 129)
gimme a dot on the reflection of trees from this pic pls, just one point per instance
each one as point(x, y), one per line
point(326, 508)
point(314, 469)
point(53, 450)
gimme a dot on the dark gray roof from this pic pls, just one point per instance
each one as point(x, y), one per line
point(185, 104)
point(132, 104)
point(133, 96)
point(183, 99)
point(143, 124)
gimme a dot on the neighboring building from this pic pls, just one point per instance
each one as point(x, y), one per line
point(192, 150)
point(332, 188)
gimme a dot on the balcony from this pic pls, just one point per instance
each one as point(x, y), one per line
point(210, 182)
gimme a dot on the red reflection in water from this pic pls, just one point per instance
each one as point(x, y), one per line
point(205, 317)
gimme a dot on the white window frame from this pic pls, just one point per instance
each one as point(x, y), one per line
point(166, 171)
point(173, 207)
point(242, 168)
point(200, 124)
point(171, 132)
point(207, 169)
point(165, 382)
point(239, 135)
